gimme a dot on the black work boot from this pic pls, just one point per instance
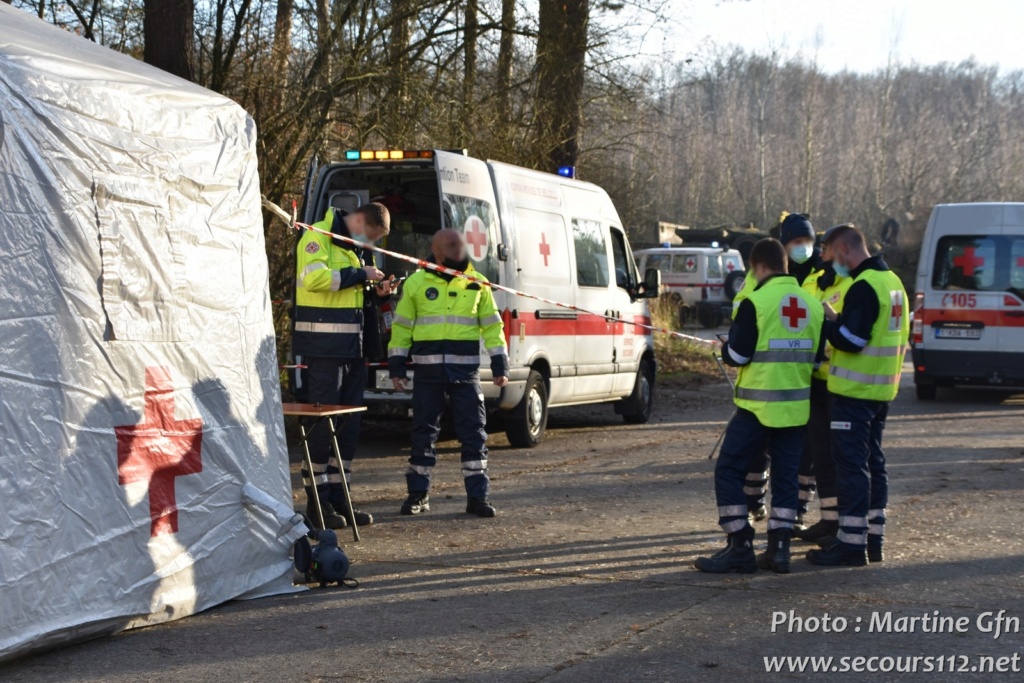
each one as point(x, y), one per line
point(362, 518)
point(839, 554)
point(875, 548)
point(817, 531)
point(757, 513)
point(737, 556)
point(417, 502)
point(480, 506)
point(332, 519)
point(776, 556)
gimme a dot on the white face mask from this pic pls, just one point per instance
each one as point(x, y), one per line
point(799, 253)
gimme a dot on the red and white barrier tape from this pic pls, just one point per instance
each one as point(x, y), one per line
point(292, 222)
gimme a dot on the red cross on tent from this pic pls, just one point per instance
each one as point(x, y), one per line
point(476, 237)
point(159, 449)
point(794, 313)
point(545, 248)
point(968, 262)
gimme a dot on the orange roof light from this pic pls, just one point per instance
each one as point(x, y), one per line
point(387, 154)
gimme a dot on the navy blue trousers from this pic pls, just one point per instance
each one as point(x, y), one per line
point(862, 484)
point(746, 439)
point(333, 381)
point(467, 402)
point(818, 448)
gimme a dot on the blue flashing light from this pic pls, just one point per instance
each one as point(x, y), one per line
point(352, 155)
point(567, 171)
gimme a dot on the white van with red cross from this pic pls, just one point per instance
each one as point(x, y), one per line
point(538, 233)
point(969, 302)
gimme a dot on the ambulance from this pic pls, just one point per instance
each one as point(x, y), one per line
point(969, 304)
point(538, 233)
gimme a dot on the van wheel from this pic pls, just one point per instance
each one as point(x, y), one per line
point(641, 401)
point(710, 319)
point(734, 283)
point(525, 426)
point(926, 392)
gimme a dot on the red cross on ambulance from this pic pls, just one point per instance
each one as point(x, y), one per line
point(968, 262)
point(545, 248)
point(476, 237)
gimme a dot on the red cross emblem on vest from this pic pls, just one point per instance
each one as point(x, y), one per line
point(896, 310)
point(793, 313)
point(158, 450)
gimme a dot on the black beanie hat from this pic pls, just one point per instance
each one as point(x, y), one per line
point(794, 227)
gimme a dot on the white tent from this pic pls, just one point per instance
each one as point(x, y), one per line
point(143, 465)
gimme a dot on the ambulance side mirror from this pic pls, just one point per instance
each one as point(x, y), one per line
point(652, 284)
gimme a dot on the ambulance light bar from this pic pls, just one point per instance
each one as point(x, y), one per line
point(387, 154)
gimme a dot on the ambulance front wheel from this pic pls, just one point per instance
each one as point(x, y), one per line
point(525, 426)
point(641, 401)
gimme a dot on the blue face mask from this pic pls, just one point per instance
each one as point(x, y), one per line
point(841, 270)
point(801, 252)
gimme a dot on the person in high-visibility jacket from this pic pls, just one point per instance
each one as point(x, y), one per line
point(327, 338)
point(439, 324)
point(869, 339)
point(775, 340)
point(802, 258)
point(817, 472)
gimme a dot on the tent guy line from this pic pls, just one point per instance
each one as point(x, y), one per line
point(292, 222)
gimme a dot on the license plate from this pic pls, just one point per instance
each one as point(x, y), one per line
point(957, 333)
point(384, 381)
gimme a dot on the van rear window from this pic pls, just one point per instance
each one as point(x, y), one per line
point(979, 263)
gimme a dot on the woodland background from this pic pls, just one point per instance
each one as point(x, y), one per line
point(696, 136)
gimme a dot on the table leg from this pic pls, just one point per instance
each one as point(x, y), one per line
point(344, 481)
point(312, 474)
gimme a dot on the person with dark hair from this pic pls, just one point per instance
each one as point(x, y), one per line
point(817, 472)
point(774, 340)
point(869, 339)
point(797, 236)
point(331, 298)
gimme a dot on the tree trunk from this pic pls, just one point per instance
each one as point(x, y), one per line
point(505, 50)
point(561, 59)
point(170, 36)
point(280, 52)
point(469, 72)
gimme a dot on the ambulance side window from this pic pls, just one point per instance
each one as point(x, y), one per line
point(966, 263)
point(623, 268)
point(714, 266)
point(1017, 266)
point(591, 253)
point(475, 219)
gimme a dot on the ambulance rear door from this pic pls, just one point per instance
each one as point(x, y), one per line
point(468, 205)
point(1011, 317)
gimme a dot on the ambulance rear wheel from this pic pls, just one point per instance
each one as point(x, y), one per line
point(710, 319)
point(525, 426)
point(926, 392)
point(642, 399)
